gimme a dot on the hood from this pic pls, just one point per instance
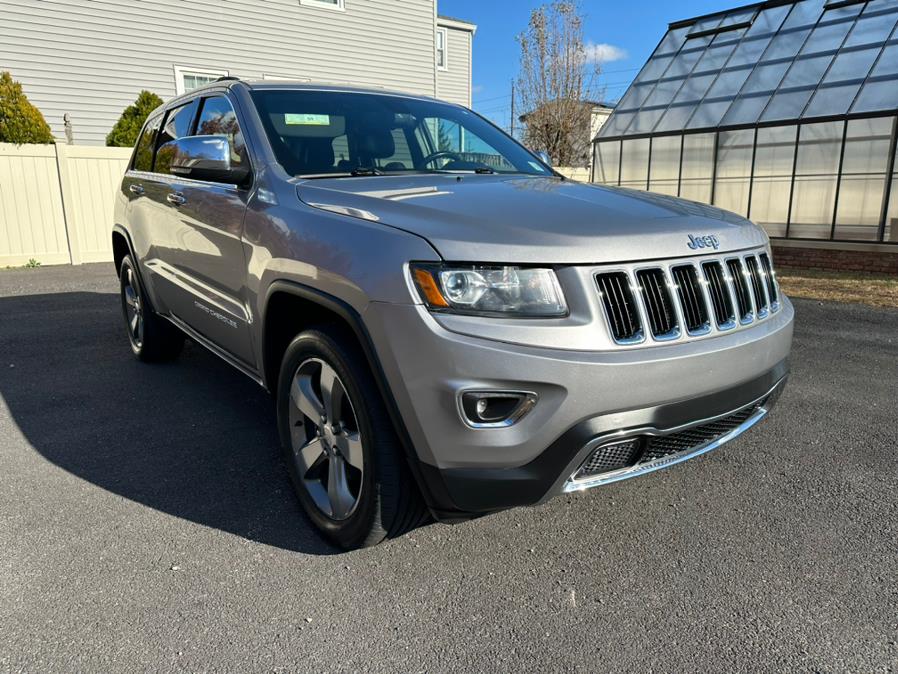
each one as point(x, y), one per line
point(491, 218)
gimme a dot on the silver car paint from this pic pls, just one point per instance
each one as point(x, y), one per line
point(356, 241)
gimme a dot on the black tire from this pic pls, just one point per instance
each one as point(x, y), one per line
point(152, 338)
point(387, 501)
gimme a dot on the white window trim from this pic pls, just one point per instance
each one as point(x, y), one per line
point(181, 71)
point(445, 33)
point(322, 4)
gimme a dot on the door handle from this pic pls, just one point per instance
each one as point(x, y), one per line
point(176, 198)
point(137, 189)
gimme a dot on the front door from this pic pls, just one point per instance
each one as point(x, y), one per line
point(200, 269)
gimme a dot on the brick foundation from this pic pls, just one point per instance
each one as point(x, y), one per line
point(828, 259)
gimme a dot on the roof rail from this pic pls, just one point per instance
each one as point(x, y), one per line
point(228, 78)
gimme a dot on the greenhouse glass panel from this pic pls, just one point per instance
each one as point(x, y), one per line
point(664, 176)
point(698, 167)
point(733, 181)
point(875, 96)
point(607, 162)
point(634, 169)
point(871, 30)
point(772, 181)
point(816, 177)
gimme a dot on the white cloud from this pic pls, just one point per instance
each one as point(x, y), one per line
point(604, 53)
point(477, 88)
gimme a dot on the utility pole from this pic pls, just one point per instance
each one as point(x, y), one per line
point(512, 109)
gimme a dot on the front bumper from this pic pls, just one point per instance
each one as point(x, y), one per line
point(583, 398)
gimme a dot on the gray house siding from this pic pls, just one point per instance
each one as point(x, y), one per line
point(454, 82)
point(90, 58)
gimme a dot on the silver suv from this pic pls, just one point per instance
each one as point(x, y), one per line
point(449, 327)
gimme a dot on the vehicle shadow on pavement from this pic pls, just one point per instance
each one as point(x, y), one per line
point(194, 438)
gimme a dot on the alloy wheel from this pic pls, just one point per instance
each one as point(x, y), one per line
point(325, 439)
point(133, 308)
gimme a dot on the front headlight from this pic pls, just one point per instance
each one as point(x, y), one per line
point(490, 290)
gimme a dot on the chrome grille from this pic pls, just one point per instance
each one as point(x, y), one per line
point(671, 301)
point(620, 307)
point(692, 299)
point(658, 304)
point(757, 285)
point(772, 291)
point(721, 300)
point(740, 287)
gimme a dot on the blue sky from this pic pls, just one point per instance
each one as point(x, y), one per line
point(624, 32)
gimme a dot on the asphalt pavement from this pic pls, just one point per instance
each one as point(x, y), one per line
point(147, 524)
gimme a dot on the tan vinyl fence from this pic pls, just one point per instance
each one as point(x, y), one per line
point(56, 202)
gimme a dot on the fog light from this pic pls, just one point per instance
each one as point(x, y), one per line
point(495, 409)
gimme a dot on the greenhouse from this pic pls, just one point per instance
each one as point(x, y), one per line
point(784, 112)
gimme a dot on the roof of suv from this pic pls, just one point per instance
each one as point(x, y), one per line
point(307, 86)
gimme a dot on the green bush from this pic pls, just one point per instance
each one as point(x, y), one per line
point(127, 128)
point(20, 122)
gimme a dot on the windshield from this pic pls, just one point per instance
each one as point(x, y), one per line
point(323, 133)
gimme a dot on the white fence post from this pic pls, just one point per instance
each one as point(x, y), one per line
point(68, 202)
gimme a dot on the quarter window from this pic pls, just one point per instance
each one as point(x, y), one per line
point(219, 119)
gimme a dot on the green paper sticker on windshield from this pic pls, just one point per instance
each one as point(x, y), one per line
point(296, 119)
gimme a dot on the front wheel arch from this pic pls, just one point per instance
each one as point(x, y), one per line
point(291, 308)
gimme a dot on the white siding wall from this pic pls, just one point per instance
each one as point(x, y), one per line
point(90, 58)
point(454, 83)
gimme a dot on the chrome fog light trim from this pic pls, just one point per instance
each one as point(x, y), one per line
point(509, 407)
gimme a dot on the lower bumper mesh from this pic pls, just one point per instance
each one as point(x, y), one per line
point(648, 448)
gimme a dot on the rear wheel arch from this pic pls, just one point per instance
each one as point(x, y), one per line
point(121, 247)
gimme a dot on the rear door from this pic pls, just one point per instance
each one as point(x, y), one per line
point(203, 267)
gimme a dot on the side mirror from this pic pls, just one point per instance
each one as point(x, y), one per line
point(546, 159)
point(202, 158)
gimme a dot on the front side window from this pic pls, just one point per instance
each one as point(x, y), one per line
point(329, 133)
point(178, 123)
point(217, 118)
point(143, 154)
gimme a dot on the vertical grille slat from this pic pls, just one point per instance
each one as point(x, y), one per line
point(771, 281)
point(620, 307)
point(720, 296)
point(741, 286)
point(692, 300)
point(757, 288)
point(658, 303)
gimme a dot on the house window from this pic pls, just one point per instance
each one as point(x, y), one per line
point(442, 52)
point(188, 79)
point(327, 4)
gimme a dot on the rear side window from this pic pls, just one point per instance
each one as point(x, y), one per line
point(218, 118)
point(143, 155)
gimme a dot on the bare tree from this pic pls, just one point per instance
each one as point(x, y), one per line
point(557, 83)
